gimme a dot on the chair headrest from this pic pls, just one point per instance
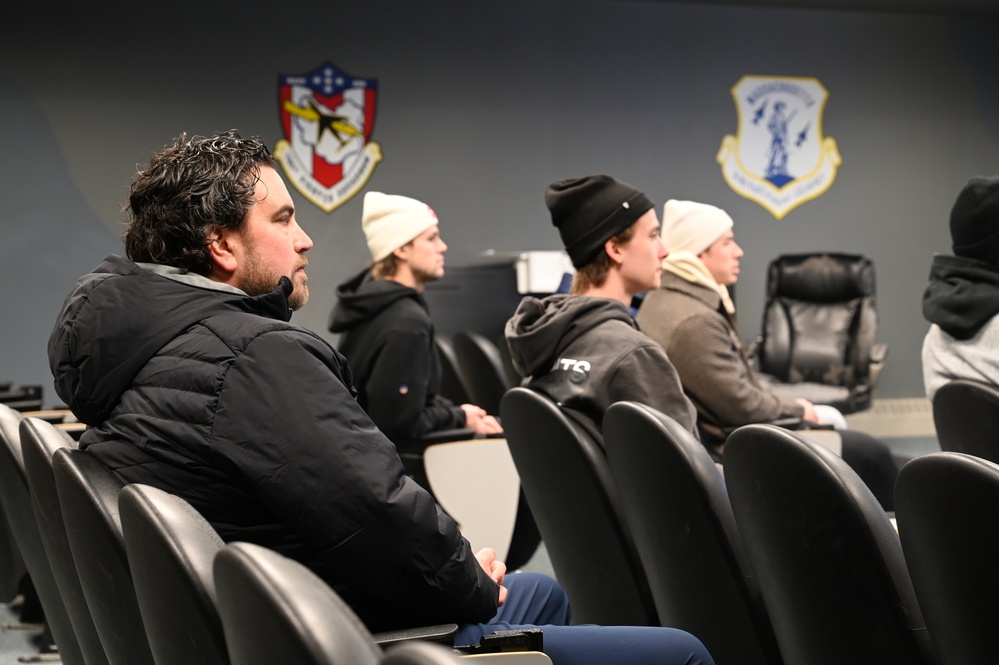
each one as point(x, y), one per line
point(825, 277)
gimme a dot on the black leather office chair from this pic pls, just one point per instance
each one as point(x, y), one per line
point(39, 441)
point(88, 493)
point(820, 328)
point(674, 498)
point(828, 560)
point(565, 476)
point(20, 514)
point(966, 417)
point(275, 610)
point(171, 549)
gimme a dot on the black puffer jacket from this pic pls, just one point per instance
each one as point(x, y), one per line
point(212, 395)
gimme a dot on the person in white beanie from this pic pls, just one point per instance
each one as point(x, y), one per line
point(691, 315)
point(386, 331)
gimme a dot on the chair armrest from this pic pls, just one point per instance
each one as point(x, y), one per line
point(878, 354)
point(786, 423)
point(416, 447)
point(442, 633)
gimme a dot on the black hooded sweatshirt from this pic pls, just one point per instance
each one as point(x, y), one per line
point(587, 353)
point(202, 391)
point(388, 339)
point(962, 296)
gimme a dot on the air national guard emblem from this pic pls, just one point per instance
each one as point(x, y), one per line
point(780, 158)
point(327, 117)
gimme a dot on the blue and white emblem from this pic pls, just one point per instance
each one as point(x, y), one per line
point(779, 158)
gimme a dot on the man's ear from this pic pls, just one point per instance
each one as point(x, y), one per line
point(614, 251)
point(224, 248)
point(402, 253)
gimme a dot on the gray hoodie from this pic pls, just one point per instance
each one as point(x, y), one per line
point(962, 303)
point(587, 353)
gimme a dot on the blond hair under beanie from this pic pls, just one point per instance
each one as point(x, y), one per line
point(390, 221)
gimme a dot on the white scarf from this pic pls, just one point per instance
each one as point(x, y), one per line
point(687, 266)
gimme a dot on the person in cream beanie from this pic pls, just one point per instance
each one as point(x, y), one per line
point(390, 221)
point(386, 332)
point(691, 226)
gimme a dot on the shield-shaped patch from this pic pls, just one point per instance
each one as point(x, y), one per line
point(779, 158)
point(327, 117)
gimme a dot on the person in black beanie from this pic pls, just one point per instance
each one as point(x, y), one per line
point(962, 298)
point(584, 350)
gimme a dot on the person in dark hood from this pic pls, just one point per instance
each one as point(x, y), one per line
point(962, 299)
point(584, 350)
point(182, 361)
point(386, 332)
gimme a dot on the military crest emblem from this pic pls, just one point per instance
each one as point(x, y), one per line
point(780, 159)
point(327, 117)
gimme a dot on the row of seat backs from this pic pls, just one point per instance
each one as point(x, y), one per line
point(475, 369)
point(943, 504)
point(829, 562)
point(22, 398)
point(788, 558)
point(966, 418)
point(643, 535)
point(160, 585)
point(20, 517)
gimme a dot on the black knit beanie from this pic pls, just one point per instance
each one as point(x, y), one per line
point(591, 210)
point(974, 220)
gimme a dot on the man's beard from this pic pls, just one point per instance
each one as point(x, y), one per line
point(256, 282)
point(422, 276)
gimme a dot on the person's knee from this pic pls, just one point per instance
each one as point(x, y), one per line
point(537, 599)
point(624, 645)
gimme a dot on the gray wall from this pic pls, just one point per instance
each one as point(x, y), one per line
point(481, 105)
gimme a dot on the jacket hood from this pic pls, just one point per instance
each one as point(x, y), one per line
point(120, 315)
point(963, 295)
point(362, 297)
point(541, 329)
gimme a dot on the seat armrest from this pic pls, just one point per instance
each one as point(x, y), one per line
point(442, 633)
point(416, 447)
point(786, 423)
point(878, 354)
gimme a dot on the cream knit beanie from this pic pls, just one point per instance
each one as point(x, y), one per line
point(691, 226)
point(390, 221)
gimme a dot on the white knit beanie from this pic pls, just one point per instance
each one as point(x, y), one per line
point(390, 221)
point(692, 226)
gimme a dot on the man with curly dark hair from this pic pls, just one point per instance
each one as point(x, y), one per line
point(183, 363)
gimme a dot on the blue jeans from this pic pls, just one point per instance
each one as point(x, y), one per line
point(537, 601)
